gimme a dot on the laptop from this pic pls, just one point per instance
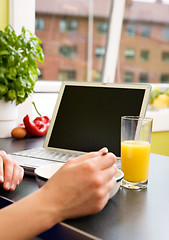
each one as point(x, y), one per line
point(86, 117)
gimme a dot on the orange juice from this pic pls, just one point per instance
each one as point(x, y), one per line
point(135, 160)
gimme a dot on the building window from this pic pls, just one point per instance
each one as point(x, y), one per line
point(97, 76)
point(130, 30)
point(67, 75)
point(143, 78)
point(144, 56)
point(102, 27)
point(165, 78)
point(68, 51)
point(68, 26)
point(129, 54)
point(100, 52)
point(128, 77)
point(166, 33)
point(145, 31)
point(165, 56)
point(39, 24)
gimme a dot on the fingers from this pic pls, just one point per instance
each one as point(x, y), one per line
point(99, 154)
point(17, 176)
point(107, 160)
point(1, 170)
point(11, 173)
point(109, 173)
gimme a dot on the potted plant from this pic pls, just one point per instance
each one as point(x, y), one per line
point(18, 72)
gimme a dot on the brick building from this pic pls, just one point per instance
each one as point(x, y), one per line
point(63, 25)
point(144, 47)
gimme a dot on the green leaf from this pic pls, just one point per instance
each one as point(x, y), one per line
point(4, 52)
point(11, 94)
point(21, 93)
point(3, 89)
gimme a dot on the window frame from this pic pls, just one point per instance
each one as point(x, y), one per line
point(130, 57)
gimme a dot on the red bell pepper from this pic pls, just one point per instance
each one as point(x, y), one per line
point(38, 127)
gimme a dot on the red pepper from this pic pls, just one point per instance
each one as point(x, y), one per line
point(38, 127)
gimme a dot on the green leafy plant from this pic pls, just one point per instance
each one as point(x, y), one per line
point(18, 63)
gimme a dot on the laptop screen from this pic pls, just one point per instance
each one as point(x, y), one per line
point(89, 118)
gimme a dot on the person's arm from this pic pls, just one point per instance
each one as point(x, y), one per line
point(11, 174)
point(81, 187)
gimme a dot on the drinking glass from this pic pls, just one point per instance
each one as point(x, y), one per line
point(135, 151)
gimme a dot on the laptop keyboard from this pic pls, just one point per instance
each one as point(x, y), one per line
point(45, 154)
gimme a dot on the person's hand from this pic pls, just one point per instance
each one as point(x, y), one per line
point(81, 187)
point(11, 174)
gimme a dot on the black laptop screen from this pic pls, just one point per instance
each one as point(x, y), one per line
point(89, 118)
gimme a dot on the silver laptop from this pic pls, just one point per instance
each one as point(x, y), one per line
point(86, 118)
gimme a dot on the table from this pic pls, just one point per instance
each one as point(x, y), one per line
point(135, 215)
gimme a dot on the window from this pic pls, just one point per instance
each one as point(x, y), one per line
point(145, 31)
point(144, 56)
point(165, 33)
point(68, 51)
point(130, 29)
point(165, 78)
point(68, 26)
point(67, 75)
point(73, 29)
point(128, 77)
point(129, 54)
point(148, 51)
point(143, 78)
point(39, 24)
point(165, 56)
point(97, 76)
point(102, 27)
point(100, 52)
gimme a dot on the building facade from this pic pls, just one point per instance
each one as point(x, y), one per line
point(144, 46)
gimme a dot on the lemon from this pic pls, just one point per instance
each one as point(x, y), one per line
point(161, 101)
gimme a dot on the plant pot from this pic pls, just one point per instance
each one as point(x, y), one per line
point(8, 117)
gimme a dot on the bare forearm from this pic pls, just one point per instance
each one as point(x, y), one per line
point(25, 218)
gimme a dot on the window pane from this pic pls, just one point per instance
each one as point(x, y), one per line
point(129, 54)
point(66, 51)
point(166, 33)
point(130, 29)
point(100, 52)
point(165, 78)
point(39, 24)
point(144, 77)
point(68, 25)
point(145, 31)
point(102, 27)
point(128, 77)
point(145, 54)
point(66, 75)
point(74, 38)
point(165, 56)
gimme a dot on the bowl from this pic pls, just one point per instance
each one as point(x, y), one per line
point(45, 172)
point(118, 176)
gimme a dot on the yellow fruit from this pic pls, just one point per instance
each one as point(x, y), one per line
point(161, 101)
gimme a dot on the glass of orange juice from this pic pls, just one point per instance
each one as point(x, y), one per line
point(135, 151)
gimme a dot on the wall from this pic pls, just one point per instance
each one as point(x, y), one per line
point(3, 14)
